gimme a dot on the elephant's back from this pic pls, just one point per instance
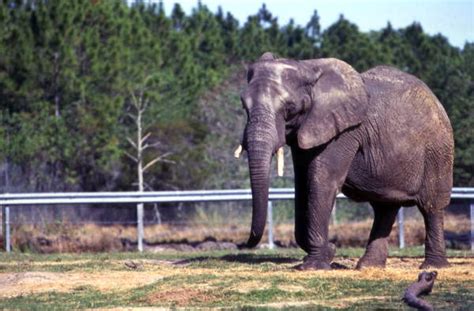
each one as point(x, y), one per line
point(405, 99)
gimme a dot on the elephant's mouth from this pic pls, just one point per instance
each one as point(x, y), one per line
point(280, 156)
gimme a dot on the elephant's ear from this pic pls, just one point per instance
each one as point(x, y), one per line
point(339, 101)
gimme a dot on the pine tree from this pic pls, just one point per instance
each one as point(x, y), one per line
point(207, 44)
point(229, 32)
point(344, 41)
point(299, 45)
point(395, 48)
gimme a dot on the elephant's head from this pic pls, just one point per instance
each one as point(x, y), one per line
point(304, 103)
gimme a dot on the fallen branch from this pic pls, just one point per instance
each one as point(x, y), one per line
point(423, 286)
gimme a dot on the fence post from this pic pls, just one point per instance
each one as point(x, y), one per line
point(271, 245)
point(401, 229)
point(140, 231)
point(472, 225)
point(6, 228)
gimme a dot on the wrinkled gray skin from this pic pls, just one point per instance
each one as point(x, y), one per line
point(380, 136)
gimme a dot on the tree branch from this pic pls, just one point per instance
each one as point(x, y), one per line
point(131, 157)
point(155, 160)
point(131, 142)
point(144, 138)
point(131, 116)
point(154, 145)
point(144, 105)
point(134, 100)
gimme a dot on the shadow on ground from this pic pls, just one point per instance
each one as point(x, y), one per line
point(244, 258)
point(252, 259)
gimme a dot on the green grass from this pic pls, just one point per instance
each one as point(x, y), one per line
point(417, 251)
point(248, 280)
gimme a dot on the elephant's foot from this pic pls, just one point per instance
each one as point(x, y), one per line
point(313, 264)
point(375, 255)
point(330, 252)
point(435, 262)
point(366, 262)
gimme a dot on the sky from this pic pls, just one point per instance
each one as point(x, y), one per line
point(452, 18)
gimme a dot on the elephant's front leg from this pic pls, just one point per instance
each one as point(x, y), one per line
point(302, 160)
point(320, 251)
point(326, 174)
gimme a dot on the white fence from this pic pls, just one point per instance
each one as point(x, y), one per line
point(20, 199)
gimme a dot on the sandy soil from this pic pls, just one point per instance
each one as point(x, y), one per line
point(25, 283)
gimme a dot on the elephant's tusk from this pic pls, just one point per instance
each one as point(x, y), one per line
point(280, 161)
point(238, 152)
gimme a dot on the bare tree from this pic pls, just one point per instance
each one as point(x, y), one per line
point(139, 104)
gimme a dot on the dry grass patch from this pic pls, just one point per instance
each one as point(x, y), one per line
point(397, 269)
point(26, 283)
point(67, 237)
point(339, 303)
point(45, 263)
point(245, 287)
point(182, 297)
point(348, 301)
point(292, 288)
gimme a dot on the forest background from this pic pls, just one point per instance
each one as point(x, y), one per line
point(70, 72)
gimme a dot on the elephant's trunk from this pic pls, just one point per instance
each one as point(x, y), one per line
point(260, 148)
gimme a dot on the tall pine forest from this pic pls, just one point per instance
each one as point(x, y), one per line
point(71, 70)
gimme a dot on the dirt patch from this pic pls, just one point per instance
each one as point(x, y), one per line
point(248, 286)
point(182, 297)
point(24, 283)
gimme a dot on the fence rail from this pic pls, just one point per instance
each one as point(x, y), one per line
point(8, 200)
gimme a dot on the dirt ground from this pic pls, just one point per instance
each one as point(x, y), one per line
point(124, 275)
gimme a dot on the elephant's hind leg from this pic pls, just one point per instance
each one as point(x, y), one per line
point(435, 251)
point(434, 197)
point(377, 247)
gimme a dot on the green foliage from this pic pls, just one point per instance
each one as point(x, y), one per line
point(67, 69)
point(344, 41)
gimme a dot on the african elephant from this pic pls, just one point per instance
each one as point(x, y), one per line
point(381, 136)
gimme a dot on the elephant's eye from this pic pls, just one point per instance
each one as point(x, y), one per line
point(305, 103)
point(249, 75)
point(292, 109)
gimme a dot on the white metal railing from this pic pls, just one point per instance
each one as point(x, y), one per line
point(15, 199)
